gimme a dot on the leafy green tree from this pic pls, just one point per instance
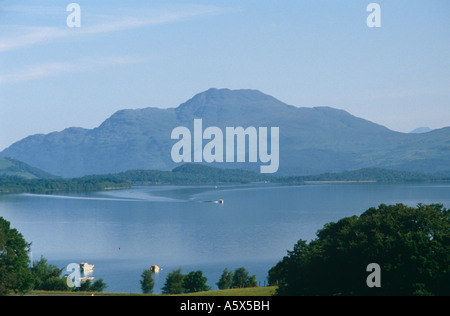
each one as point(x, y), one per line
point(147, 282)
point(98, 286)
point(195, 282)
point(226, 280)
point(174, 283)
point(410, 244)
point(251, 281)
point(241, 278)
point(15, 275)
point(55, 284)
point(47, 277)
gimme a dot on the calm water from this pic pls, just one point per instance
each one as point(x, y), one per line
point(124, 232)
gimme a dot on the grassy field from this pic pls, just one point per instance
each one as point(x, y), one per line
point(255, 291)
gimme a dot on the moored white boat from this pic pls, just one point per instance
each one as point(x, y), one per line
point(86, 267)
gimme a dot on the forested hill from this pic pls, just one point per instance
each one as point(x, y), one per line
point(52, 186)
point(19, 177)
point(201, 174)
point(370, 175)
point(191, 174)
point(194, 174)
point(15, 168)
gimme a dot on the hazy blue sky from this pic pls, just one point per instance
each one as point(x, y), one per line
point(135, 54)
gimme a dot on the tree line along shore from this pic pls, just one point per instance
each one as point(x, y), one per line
point(194, 174)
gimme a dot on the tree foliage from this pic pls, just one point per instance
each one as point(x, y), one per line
point(178, 283)
point(195, 282)
point(147, 281)
point(411, 245)
point(98, 286)
point(240, 278)
point(369, 174)
point(15, 275)
point(47, 186)
point(174, 283)
point(226, 280)
point(191, 174)
point(47, 277)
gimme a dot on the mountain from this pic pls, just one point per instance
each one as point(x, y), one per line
point(14, 168)
point(312, 140)
point(421, 130)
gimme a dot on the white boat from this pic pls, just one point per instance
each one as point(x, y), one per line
point(86, 267)
point(84, 279)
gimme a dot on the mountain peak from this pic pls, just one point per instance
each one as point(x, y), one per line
point(227, 96)
point(224, 104)
point(421, 130)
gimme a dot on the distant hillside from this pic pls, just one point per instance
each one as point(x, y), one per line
point(190, 174)
point(14, 168)
point(201, 174)
point(421, 130)
point(53, 186)
point(370, 174)
point(312, 140)
point(196, 174)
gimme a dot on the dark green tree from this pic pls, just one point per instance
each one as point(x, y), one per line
point(98, 286)
point(15, 275)
point(174, 283)
point(251, 281)
point(195, 282)
point(147, 282)
point(226, 280)
point(47, 277)
point(241, 278)
point(55, 284)
point(410, 244)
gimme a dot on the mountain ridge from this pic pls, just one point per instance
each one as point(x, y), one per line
point(18, 169)
point(312, 140)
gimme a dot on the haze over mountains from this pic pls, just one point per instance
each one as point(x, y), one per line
point(312, 140)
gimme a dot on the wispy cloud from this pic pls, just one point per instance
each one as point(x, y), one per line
point(16, 37)
point(51, 69)
point(26, 36)
point(23, 36)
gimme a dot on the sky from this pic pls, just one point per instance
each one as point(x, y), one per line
point(137, 54)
